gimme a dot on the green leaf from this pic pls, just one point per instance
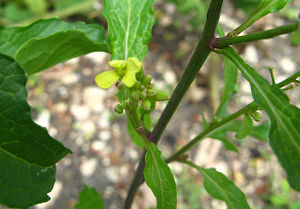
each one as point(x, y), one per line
point(230, 81)
point(227, 144)
point(23, 184)
point(147, 121)
point(36, 6)
point(285, 118)
point(14, 13)
point(295, 37)
point(221, 188)
point(159, 178)
point(136, 137)
point(27, 152)
point(245, 128)
point(259, 132)
point(89, 198)
point(264, 8)
point(48, 42)
point(129, 27)
point(247, 5)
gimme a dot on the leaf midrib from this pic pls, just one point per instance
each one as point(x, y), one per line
point(127, 30)
point(221, 190)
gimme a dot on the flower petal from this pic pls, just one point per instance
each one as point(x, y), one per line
point(120, 64)
point(129, 79)
point(133, 64)
point(106, 79)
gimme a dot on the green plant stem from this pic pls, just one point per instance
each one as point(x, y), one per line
point(226, 41)
point(289, 80)
point(198, 58)
point(210, 129)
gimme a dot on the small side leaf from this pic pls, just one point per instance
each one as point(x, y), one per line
point(136, 137)
point(227, 144)
point(49, 42)
point(89, 198)
point(129, 27)
point(295, 37)
point(245, 128)
point(285, 118)
point(221, 188)
point(230, 81)
point(27, 152)
point(159, 178)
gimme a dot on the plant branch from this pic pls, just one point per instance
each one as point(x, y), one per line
point(226, 41)
point(252, 106)
point(289, 80)
point(198, 58)
point(213, 126)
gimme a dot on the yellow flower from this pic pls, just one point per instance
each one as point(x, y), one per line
point(123, 70)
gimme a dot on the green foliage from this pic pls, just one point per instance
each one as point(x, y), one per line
point(264, 8)
point(230, 82)
point(245, 128)
point(89, 198)
point(36, 6)
point(159, 178)
point(27, 11)
point(48, 42)
point(14, 13)
point(247, 5)
point(285, 118)
point(220, 187)
point(27, 152)
point(129, 27)
point(194, 11)
point(295, 38)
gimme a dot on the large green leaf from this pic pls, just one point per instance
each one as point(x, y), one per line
point(159, 178)
point(285, 118)
point(27, 152)
point(89, 198)
point(129, 27)
point(220, 187)
point(48, 42)
point(23, 184)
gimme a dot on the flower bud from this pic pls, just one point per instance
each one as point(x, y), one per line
point(119, 108)
point(147, 80)
point(143, 94)
point(151, 93)
point(136, 85)
point(255, 115)
point(162, 96)
point(146, 104)
point(150, 86)
point(135, 95)
point(142, 87)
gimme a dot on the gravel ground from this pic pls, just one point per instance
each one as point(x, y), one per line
point(66, 100)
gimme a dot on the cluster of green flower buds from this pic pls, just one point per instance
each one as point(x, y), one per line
point(143, 93)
